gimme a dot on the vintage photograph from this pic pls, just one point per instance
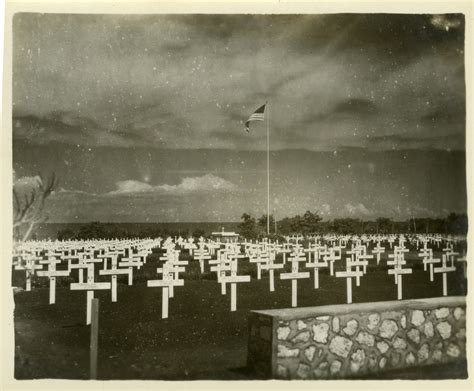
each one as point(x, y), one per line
point(240, 196)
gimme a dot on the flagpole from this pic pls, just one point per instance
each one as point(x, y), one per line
point(268, 171)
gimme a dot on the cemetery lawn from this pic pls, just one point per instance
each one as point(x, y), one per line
point(201, 339)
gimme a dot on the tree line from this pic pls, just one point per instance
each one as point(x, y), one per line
point(312, 223)
point(256, 228)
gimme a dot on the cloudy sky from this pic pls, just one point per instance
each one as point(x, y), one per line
point(142, 117)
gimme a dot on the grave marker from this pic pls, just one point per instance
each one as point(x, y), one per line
point(90, 286)
point(444, 269)
point(166, 283)
point(52, 273)
point(233, 280)
point(378, 250)
point(114, 272)
point(349, 274)
point(294, 276)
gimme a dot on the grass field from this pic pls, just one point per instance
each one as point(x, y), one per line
point(201, 339)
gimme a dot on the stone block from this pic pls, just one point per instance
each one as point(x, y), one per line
point(442, 313)
point(394, 359)
point(321, 332)
point(301, 337)
point(335, 367)
point(437, 355)
point(453, 350)
point(285, 352)
point(399, 343)
point(335, 324)
point(423, 353)
point(303, 371)
point(382, 362)
point(372, 362)
point(410, 359)
point(444, 329)
point(458, 313)
point(388, 328)
point(414, 335)
point(428, 329)
point(351, 327)
point(300, 325)
point(373, 321)
point(417, 317)
point(382, 346)
point(283, 333)
point(321, 370)
point(309, 352)
point(403, 321)
point(340, 346)
point(357, 360)
point(364, 338)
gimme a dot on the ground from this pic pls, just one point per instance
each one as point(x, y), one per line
point(201, 339)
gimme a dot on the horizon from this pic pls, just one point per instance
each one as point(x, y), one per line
point(441, 217)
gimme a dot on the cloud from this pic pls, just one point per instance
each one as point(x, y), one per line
point(63, 191)
point(358, 209)
point(26, 184)
point(446, 22)
point(357, 106)
point(187, 81)
point(206, 183)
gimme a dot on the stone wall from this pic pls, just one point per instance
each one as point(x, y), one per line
point(342, 341)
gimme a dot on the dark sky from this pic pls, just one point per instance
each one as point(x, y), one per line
point(142, 116)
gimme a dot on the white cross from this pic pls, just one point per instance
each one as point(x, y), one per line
point(445, 269)
point(201, 255)
point(52, 273)
point(364, 257)
point(80, 265)
point(113, 272)
point(450, 253)
point(335, 254)
point(378, 250)
point(168, 281)
point(177, 267)
point(398, 259)
point(234, 279)
point(260, 258)
point(429, 260)
point(271, 267)
point(130, 262)
point(349, 274)
point(294, 276)
point(29, 266)
point(316, 265)
point(357, 261)
point(285, 250)
point(220, 268)
point(398, 272)
point(90, 286)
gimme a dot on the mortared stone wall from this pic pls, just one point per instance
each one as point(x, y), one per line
point(351, 340)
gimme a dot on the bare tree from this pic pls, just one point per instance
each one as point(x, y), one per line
point(28, 207)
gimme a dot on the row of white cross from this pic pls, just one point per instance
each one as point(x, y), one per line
point(120, 257)
point(84, 257)
point(264, 255)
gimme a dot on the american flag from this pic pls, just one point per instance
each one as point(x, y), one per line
point(258, 115)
